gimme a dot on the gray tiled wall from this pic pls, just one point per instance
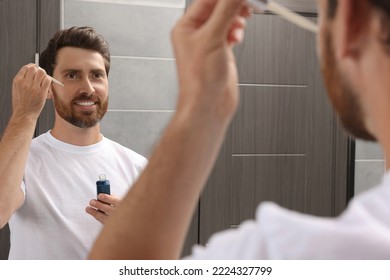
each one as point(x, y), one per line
point(143, 83)
point(369, 166)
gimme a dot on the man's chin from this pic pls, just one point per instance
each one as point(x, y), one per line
point(358, 131)
point(85, 120)
point(84, 124)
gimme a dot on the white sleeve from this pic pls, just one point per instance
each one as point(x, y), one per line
point(139, 162)
point(361, 232)
point(244, 242)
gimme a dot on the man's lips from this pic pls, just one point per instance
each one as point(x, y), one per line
point(85, 103)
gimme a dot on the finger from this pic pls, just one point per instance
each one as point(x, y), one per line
point(41, 83)
point(246, 11)
point(42, 79)
point(236, 36)
point(99, 216)
point(236, 32)
point(109, 199)
point(100, 207)
point(22, 72)
point(238, 22)
point(46, 82)
point(198, 12)
point(104, 207)
point(31, 72)
point(224, 14)
point(39, 77)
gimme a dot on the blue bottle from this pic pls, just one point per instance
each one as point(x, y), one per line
point(103, 185)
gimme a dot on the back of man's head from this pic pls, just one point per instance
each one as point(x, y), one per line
point(382, 7)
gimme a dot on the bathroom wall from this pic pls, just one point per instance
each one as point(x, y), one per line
point(369, 165)
point(142, 79)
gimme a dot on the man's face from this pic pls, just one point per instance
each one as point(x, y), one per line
point(344, 98)
point(83, 101)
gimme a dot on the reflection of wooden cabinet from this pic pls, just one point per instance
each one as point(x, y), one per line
point(284, 144)
point(25, 28)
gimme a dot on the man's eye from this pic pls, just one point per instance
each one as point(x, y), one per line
point(72, 75)
point(97, 75)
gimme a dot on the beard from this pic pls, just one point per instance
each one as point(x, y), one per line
point(83, 119)
point(342, 96)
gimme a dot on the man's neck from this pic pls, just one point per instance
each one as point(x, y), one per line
point(73, 135)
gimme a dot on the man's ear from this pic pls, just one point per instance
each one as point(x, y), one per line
point(352, 23)
point(50, 93)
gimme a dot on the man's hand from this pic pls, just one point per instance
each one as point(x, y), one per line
point(103, 207)
point(203, 39)
point(29, 91)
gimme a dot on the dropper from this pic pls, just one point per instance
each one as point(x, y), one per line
point(265, 5)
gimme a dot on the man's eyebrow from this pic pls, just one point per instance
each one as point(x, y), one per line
point(98, 70)
point(79, 70)
point(71, 70)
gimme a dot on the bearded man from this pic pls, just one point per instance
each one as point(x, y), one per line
point(49, 183)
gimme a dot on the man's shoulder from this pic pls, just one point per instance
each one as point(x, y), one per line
point(39, 141)
point(122, 151)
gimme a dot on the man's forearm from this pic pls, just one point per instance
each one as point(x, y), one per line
point(14, 147)
point(165, 195)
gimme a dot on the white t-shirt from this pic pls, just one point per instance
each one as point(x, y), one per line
point(59, 181)
point(361, 232)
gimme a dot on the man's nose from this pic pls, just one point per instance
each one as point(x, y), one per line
point(87, 87)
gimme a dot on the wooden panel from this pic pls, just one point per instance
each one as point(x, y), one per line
point(192, 235)
point(253, 179)
point(17, 36)
point(276, 115)
point(215, 202)
point(17, 45)
point(4, 242)
point(319, 141)
point(272, 52)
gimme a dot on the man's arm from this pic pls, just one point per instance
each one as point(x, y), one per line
point(151, 222)
point(29, 90)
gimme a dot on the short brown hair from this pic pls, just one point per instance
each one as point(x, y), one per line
point(383, 6)
point(80, 37)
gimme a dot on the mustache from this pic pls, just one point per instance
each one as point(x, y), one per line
point(84, 97)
